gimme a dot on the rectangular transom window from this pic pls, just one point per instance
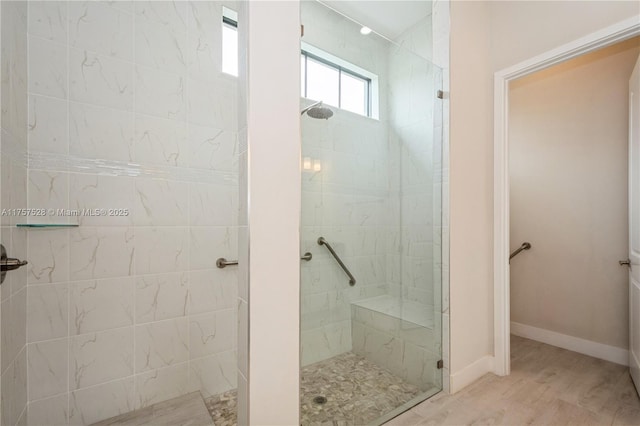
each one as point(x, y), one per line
point(229, 41)
point(335, 82)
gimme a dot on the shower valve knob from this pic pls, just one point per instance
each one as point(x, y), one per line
point(8, 263)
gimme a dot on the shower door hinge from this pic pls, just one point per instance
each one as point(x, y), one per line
point(440, 94)
point(301, 30)
point(440, 364)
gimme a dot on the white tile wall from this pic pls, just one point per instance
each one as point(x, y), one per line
point(164, 296)
point(162, 344)
point(96, 79)
point(52, 79)
point(99, 305)
point(123, 311)
point(48, 19)
point(13, 181)
point(346, 201)
point(341, 204)
point(48, 129)
point(97, 132)
point(92, 404)
point(48, 368)
point(54, 410)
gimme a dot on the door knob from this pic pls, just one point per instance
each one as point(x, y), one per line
point(625, 262)
point(8, 263)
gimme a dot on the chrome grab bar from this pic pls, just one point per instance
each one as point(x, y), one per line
point(223, 263)
point(524, 246)
point(322, 241)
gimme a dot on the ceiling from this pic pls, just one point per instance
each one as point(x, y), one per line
point(387, 17)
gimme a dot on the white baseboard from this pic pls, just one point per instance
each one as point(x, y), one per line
point(471, 373)
point(576, 344)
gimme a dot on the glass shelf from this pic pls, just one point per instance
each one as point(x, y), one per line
point(47, 225)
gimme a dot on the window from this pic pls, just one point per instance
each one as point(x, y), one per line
point(336, 82)
point(229, 41)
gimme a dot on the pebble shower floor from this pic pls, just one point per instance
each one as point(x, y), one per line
point(357, 392)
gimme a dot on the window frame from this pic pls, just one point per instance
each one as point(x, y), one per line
point(228, 22)
point(341, 69)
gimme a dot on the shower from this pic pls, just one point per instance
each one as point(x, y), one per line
point(317, 111)
point(371, 186)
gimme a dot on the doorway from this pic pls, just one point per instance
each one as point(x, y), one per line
point(568, 144)
point(503, 80)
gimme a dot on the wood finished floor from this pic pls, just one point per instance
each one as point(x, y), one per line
point(547, 386)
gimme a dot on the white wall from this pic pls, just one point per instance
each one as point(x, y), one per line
point(522, 29)
point(471, 183)
point(568, 137)
point(486, 37)
point(272, 190)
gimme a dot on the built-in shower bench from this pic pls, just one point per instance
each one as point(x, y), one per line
point(399, 336)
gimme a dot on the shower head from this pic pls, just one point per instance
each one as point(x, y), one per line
point(320, 112)
point(317, 111)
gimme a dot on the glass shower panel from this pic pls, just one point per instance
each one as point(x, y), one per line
point(119, 186)
point(371, 350)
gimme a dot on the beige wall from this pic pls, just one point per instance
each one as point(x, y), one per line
point(523, 29)
point(568, 129)
point(471, 182)
point(504, 33)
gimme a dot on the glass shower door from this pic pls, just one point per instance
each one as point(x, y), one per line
point(371, 311)
point(119, 186)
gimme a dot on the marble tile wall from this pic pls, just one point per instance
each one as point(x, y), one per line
point(408, 350)
point(128, 109)
point(412, 89)
point(13, 181)
point(347, 203)
point(417, 131)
